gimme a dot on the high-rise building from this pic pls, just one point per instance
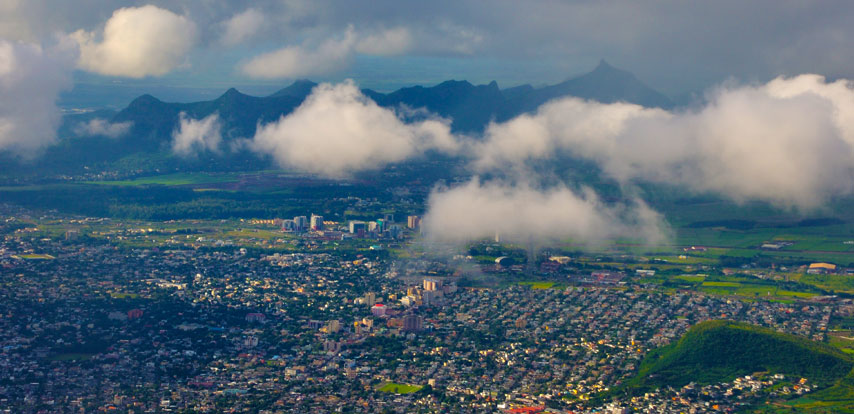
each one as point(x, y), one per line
point(432, 284)
point(250, 341)
point(432, 297)
point(316, 222)
point(333, 326)
point(413, 323)
point(301, 223)
point(378, 310)
point(394, 231)
point(288, 225)
point(357, 226)
point(370, 299)
point(413, 222)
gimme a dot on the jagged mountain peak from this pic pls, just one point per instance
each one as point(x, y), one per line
point(300, 88)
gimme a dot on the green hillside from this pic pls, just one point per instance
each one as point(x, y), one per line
point(719, 351)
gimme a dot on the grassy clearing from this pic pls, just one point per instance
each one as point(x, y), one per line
point(174, 179)
point(722, 284)
point(686, 259)
point(538, 285)
point(690, 278)
point(844, 340)
point(255, 233)
point(393, 387)
point(837, 283)
point(544, 285)
point(37, 257)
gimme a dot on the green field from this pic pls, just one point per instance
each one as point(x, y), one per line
point(722, 284)
point(691, 278)
point(37, 257)
point(538, 285)
point(396, 388)
point(175, 179)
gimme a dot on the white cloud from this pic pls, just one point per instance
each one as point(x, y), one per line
point(520, 212)
point(332, 55)
point(386, 43)
point(243, 26)
point(102, 127)
point(137, 42)
point(31, 79)
point(303, 60)
point(338, 131)
point(194, 135)
point(789, 142)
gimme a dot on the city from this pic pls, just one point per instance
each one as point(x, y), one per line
point(197, 324)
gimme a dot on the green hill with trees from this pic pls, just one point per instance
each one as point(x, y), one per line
point(719, 351)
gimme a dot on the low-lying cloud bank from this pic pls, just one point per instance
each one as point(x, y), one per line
point(31, 78)
point(789, 142)
point(520, 212)
point(197, 135)
point(338, 131)
point(102, 127)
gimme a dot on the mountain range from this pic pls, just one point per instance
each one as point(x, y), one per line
point(469, 107)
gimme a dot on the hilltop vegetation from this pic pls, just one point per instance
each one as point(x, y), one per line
point(719, 351)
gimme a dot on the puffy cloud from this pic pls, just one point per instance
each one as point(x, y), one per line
point(243, 26)
point(137, 42)
point(330, 56)
point(31, 79)
point(195, 135)
point(338, 131)
point(520, 212)
point(102, 127)
point(789, 142)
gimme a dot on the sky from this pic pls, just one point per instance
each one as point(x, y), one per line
point(198, 48)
